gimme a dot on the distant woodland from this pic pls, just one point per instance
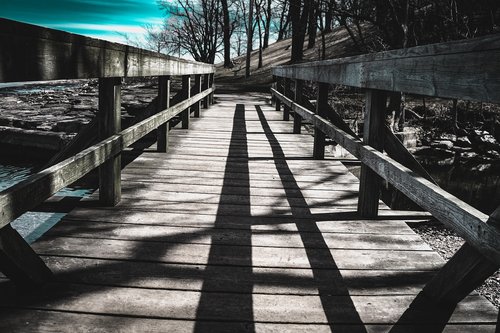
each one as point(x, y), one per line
point(210, 30)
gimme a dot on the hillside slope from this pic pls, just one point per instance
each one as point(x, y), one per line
point(338, 45)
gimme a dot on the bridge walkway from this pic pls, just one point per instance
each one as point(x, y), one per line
point(236, 229)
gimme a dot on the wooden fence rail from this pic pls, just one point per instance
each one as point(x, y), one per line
point(464, 69)
point(59, 55)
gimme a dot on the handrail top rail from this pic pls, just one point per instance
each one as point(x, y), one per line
point(34, 53)
point(478, 44)
point(464, 69)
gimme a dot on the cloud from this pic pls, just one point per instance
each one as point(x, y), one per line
point(98, 27)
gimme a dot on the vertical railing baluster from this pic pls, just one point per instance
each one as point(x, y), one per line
point(299, 95)
point(186, 90)
point(206, 85)
point(279, 80)
point(211, 85)
point(373, 135)
point(110, 124)
point(288, 93)
point(163, 103)
point(197, 90)
point(321, 110)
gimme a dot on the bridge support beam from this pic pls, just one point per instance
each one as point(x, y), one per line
point(288, 93)
point(463, 273)
point(373, 135)
point(321, 110)
point(186, 89)
point(19, 262)
point(197, 90)
point(163, 103)
point(299, 96)
point(110, 124)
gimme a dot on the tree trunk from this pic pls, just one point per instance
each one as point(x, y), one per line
point(329, 16)
point(313, 24)
point(249, 37)
point(299, 23)
point(227, 34)
point(267, 26)
point(259, 25)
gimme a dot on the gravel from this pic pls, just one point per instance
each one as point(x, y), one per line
point(446, 242)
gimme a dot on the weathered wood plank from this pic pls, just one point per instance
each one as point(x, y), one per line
point(467, 221)
point(321, 107)
point(50, 321)
point(299, 96)
point(186, 89)
point(374, 132)
point(299, 309)
point(262, 256)
point(431, 70)
point(163, 104)
point(180, 234)
point(109, 125)
point(57, 55)
point(197, 89)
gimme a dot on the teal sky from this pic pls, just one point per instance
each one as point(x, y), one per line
point(94, 18)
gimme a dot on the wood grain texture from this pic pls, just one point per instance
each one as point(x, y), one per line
point(374, 133)
point(162, 104)
point(239, 238)
point(110, 124)
point(467, 221)
point(430, 70)
point(55, 55)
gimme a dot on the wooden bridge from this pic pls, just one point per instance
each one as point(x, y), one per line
point(234, 220)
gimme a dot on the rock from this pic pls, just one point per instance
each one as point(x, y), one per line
point(69, 126)
point(484, 141)
point(493, 154)
point(468, 155)
point(481, 167)
point(443, 144)
point(463, 141)
point(448, 137)
point(461, 149)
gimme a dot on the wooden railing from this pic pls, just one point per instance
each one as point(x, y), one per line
point(32, 53)
point(464, 70)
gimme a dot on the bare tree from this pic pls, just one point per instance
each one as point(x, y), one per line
point(194, 28)
point(155, 38)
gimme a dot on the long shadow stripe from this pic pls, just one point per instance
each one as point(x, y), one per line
point(338, 309)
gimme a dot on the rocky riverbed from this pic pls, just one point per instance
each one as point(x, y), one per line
point(39, 119)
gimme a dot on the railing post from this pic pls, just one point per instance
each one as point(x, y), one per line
point(186, 90)
point(211, 84)
point(297, 119)
point(206, 80)
point(278, 101)
point(110, 124)
point(197, 90)
point(163, 103)
point(373, 135)
point(288, 93)
point(321, 110)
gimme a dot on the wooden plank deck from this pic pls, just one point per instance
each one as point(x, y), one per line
point(236, 229)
